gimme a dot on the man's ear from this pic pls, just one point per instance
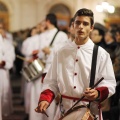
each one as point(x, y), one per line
point(92, 27)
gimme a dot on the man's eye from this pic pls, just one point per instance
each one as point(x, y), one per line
point(77, 22)
point(85, 23)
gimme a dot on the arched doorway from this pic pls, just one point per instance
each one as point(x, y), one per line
point(4, 15)
point(63, 15)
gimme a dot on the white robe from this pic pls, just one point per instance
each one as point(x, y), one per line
point(69, 73)
point(7, 54)
point(45, 40)
point(28, 46)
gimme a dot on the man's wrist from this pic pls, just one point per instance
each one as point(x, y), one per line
point(98, 97)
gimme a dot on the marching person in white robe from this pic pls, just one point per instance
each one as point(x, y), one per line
point(7, 57)
point(46, 47)
point(27, 49)
point(70, 71)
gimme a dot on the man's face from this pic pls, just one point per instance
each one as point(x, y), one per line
point(71, 30)
point(108, 38)
point(118, 37)
point(47, 23)
point(82, 27)
point(96, 38)
point(43, 26)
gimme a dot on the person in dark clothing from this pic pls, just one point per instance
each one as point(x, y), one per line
point(114, 50)
point(116, 64)
point(97, 36)
point(111, 44)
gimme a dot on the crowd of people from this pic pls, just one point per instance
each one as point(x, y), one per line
point(67, 59)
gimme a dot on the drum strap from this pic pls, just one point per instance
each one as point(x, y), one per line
point(93, 65)
point(54, 38)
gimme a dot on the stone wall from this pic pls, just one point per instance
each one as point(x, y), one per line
point(27, 13)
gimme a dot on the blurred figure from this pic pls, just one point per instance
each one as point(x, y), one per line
point(117, 55)
point(115, 99)
point(118, 35)
point(7, 56)
point(33, 31)
point(97, 35)
point(110, 48)
point(7, 34)
point(71, 34)
point(26, 87)
point(110, 43)
point(41, 27)
point(18, 40)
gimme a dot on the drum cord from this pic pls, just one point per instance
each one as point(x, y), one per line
point(61, 107)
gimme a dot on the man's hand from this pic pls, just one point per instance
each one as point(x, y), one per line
point(46, 50)
point(41, 108)
point(35, 52)
point(91, 94)
point(2, 64)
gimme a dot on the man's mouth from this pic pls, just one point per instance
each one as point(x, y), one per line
point(80, 32)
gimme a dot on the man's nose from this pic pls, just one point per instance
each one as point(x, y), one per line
point(81, 25)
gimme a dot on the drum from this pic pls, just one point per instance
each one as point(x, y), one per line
point(33, 70)
point(79, 113)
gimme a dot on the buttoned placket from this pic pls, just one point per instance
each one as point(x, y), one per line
point(75, 72)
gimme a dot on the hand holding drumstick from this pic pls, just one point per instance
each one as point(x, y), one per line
point(42, 106)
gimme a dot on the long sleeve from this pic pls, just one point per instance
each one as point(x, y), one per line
point(106, 70)
point(29, 45)
point(103, 93)
point(50, 80)
point(47, 95)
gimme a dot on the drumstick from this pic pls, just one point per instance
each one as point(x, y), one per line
point(84, 96)
point(22, 58)
point(42, 111)
point(45, 113)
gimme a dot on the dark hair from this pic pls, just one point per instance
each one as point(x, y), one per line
point(71, 20)
point(85, 12)
point(101, 32)
point(30, 31)
point(52, 18)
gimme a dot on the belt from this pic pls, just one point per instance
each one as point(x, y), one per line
point(73, 98)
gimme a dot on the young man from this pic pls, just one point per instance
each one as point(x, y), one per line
point(71, 67)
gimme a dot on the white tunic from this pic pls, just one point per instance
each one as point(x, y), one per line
point(28, 46)
point(7, 54)
point(69, 73)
